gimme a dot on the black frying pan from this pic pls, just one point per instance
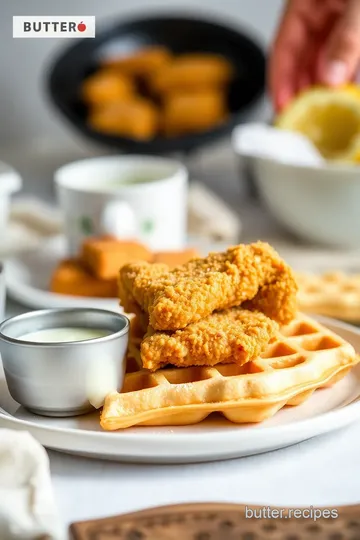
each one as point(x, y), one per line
point(180, 34)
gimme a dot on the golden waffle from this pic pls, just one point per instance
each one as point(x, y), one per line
point(334, 294)
point(305, 356)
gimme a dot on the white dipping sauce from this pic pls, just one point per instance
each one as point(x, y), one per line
point(65, 335)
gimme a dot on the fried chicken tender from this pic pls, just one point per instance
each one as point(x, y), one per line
point(106, 87)
point(70, 277)
point(234, 335)
point(194, 290)
point(141, 62)
point(104, 257)
point(136, 118)
point(191, 72)
point(153, 272)
point(193, 112)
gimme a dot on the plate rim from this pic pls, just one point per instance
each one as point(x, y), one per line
point(25, 293)
point(326, 420)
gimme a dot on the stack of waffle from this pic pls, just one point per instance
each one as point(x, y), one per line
point(334, 294)
point(219, 334)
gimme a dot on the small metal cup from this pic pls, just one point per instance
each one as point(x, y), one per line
point(64, 379)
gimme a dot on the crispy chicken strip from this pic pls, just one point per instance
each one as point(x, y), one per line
point(196, 289)
point(234, 335)
point(150, 272)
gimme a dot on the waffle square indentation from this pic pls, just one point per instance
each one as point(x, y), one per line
point(232, 370)
point(287, 361)
point(187, 375)
point(303, 329)
point(277, 350)
point(320, 344)
point(139, 381)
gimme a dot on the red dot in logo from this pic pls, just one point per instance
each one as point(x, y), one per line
point(81, 27)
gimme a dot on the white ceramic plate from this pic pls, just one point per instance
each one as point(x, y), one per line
point(28, 276)
point(213, 439)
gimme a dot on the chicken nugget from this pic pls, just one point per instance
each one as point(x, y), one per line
point(191, 113)
point(70, 277)
point(104, 258)
point(175, 258)
point(191, 72)
point(141, 62)
point(233, 335)
point(136, 119)
point(106, 87)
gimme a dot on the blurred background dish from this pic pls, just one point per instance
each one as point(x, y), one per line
point(318, 204)
point(223, 55)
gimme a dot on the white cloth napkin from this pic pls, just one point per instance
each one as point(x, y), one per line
point(27, 507)
point(210, 218)
point(31, 221)
point(263, 141)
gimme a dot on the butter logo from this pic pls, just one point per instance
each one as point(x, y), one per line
point(54, 27)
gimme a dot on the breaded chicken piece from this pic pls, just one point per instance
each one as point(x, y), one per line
point(194, 290)
point(234, 335)
point(106, 87)
point(70, 277)
point(191, 72)
point(136, 118)
point(127, 300)
point(104, 257)
point(141, 62)
point(193, 112)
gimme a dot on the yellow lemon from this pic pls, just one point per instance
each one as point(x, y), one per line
point(329, 117)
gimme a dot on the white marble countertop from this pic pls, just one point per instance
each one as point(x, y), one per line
point(322, 471)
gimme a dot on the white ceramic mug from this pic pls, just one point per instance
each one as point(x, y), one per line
point(133, 197)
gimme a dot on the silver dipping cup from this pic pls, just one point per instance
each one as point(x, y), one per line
point(64, 378)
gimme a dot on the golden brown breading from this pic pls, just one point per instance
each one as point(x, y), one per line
point(70, 277)
point(222, 280)
point(141, 62)
point(234, 335)
point(136, 118)
point(193, 112)
point(127, 300)
point(104, 257)
point(191, 72)
point(106, 87)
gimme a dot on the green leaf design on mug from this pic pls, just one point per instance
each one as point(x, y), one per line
point(148, 226)
point(86, 225)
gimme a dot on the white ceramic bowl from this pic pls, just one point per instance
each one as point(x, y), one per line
point(318, 204)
